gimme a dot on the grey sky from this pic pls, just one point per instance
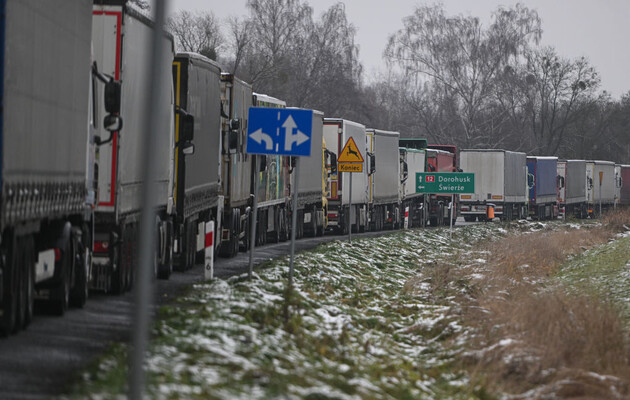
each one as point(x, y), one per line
point(596, 29)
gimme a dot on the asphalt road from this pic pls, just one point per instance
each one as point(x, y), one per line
point(40, 362)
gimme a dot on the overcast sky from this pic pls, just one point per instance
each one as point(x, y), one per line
point(596, 29)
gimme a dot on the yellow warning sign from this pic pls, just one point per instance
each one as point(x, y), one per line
point(350, 167)
point(350, 153)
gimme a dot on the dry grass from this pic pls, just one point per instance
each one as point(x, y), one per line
point(532, 337)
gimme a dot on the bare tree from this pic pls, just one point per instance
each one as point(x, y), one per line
point(557, 91)
point(460, 59)
point(198, 32)
point(240, 39)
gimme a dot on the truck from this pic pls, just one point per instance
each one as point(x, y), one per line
point(384, 207)
point(412, 204)
point(438, 205)
point(121, 41)
point(542, 178)
point(603, 186)
point(312, 200)
point(575, 186)
point(624, 196)
point(345, 210)
point(236, 165)
point(197, 198)
point(47, 123)
point(500, 182)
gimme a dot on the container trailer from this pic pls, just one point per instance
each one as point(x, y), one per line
point(438, 205)
point(197, 198)
point(236, 164)
point(624, 197)
point(575, 188)
point(412, 161)
point(500, 181)
point(337, 132)
point(602, 187)
point(47, 125)
point(383, 194)
point(542, 180)
point(312, 189)
point(121, 40)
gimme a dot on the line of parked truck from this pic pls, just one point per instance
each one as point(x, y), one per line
point(73, 84)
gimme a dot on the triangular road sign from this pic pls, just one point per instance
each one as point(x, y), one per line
point(350, 153)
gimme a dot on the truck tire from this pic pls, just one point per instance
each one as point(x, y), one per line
point(9, 297)
point(61, 300)
point(165, 268)
point(29, 282)
point(79, 291)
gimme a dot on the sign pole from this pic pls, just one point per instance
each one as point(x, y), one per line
point(294, 221)
point(252, 236)
point(600, 197)
point(350, 211)
point(451, 219)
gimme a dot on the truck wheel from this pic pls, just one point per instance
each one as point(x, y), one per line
point(29, 282)
point(116, 279)
point(79, 291)
point(9, 297)
point(62, 300)
point(165, 267)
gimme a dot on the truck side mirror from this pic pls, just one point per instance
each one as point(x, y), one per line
point(112, 97)
point(187, 128)
point(188, 149)
point(372, 159)
point(530, 181)
point(333, 163)
point(235, 126)
point(405, 171)
point(111, 123)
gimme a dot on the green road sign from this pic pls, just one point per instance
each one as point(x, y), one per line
point(445, 182)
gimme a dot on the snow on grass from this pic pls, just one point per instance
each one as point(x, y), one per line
point(351, 329)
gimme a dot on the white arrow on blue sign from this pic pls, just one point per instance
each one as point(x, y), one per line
point(279, 131)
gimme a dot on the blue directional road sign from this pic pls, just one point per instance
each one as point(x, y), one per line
point(279, 131)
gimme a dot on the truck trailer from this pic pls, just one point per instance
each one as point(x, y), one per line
point(383, 194)
point(345, 213)
point(197, 198)
point(624, 197)
point(437, 211)
point(412, 161)
point(575, 184)
point(46, 129)
point(603, 186)
point(236, 164)
point(500, 181)
point(542, 180)
point(121, 40)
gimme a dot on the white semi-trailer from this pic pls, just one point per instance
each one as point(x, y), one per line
point(412, 162)
point(337, 132)
point(46, 126)
point(383, 193)
point(603, 185)
point(575, 188)
point(121, 37)
point(500, 181)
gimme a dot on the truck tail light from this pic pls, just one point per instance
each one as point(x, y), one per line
point(57, 255)
point(100, 246)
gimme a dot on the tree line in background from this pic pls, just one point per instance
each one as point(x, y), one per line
point(450, 79)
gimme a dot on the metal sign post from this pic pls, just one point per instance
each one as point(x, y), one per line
point(601, 177)
point(450, 236)
point(252, 237)
point(294, 221)
point(279, 131)
point(350, 211)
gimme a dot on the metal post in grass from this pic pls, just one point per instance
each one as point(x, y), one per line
point(146, 251)
point(450, 234)
point(252, 237)
point(294, 221)
point(350, 211)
